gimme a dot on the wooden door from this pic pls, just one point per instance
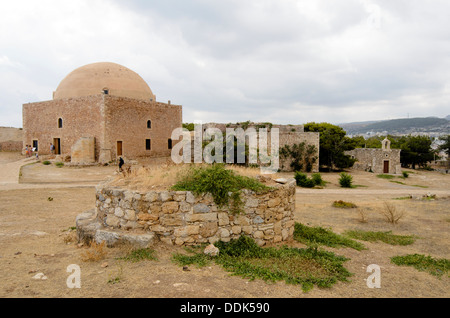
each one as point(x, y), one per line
point(57, 144)
point(386, 166)
point(119, 148)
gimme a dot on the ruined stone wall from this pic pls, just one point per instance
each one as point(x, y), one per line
point(126, 121)
point(81, 117)
point(180, 218)
point(288, 135)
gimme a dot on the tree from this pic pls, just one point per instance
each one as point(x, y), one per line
point(445, 147)
point(333, 143)
point(416, 150)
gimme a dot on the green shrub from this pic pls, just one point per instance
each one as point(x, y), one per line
point(317, 179)
point(46, 162)
point(405, 174)
point(302, 180)
point(224, 184)
point(345, 180)
point(59, 164)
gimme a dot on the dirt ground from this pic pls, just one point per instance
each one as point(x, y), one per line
point(36, 216)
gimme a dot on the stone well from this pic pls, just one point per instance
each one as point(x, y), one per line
point(181, 218)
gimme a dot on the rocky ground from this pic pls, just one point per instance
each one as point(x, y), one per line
point(37, 217)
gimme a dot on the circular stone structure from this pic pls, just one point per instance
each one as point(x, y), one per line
point(142, 218)
point(104, 78)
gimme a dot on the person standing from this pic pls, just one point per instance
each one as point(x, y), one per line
point(121, 163)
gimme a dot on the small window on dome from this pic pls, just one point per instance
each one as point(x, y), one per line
point(106, 91)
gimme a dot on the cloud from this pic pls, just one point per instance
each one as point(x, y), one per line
point(289, 61)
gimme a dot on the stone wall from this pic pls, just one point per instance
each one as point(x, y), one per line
point(13, 146)
point(126, 121)
point(81, 117)
point(181, 218)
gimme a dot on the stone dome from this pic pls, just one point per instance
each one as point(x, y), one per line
point(103, 78)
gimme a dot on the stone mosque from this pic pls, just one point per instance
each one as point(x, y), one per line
point(99, 112)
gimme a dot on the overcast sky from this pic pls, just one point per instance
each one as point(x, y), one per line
point(282, 61)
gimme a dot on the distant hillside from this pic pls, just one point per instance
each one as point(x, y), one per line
point(426, 125)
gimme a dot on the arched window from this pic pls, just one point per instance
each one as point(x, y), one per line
point(149, 124)
point(60, 123)
point(169, 143)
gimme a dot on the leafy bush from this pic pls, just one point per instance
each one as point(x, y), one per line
point(405, 174)
point(302, 180)
point(345, 180)
point(317, 179)
point(46, 162)
point(59, 164)
point(224, 184)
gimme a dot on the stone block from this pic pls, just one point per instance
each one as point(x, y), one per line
point(169, 207)
point(186, 231)
point(201, 208)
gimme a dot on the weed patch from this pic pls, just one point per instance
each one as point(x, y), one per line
point(436, 267)
point(386, 237)
point(138, 255)
point(318, 235)
point(344, 205)
point(385, 176)
point(306, 267)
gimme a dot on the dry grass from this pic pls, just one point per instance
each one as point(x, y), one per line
point(362, 216)
point(391, 213)
point(95, 252)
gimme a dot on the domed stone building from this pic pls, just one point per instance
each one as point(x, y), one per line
point(99, 112)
